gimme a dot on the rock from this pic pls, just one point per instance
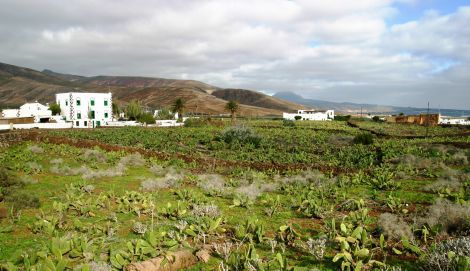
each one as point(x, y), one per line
point(3, 212)
point(177, 261)
point(203, 255)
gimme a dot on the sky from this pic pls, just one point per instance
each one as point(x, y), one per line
point(404, 52)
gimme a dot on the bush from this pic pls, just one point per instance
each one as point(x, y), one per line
point(165, 114)
point(6, 180)
point(453, 254)
point(7, 183)
point(394, 227)
point(146, 118)
point(448, 217)
point(343, 118)
point(22, 200)
point(376, 118)
point(240, 134)
point(364, 139)
point(200, 122)
point(288, 123)
point(298, 117)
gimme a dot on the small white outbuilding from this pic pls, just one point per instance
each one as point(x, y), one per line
point(41, 113)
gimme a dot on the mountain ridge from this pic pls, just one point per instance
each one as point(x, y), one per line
point(19, 85)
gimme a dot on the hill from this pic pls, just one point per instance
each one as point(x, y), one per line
point(254, 98)
point(355, 108)
point(19, 85)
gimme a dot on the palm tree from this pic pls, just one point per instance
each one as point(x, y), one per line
point(178, 107)
point(233, 107)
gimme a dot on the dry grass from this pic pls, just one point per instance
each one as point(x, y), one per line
point(450, 218)
point(394, 227)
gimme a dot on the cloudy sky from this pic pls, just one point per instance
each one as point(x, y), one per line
point(403, 52)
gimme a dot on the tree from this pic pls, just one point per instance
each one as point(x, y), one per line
point(376, 118)
point(178, 107)
point(164, 114)
point(133, 110)
point(233, 107)
point(55, 108)
point(146, 118)
point(116, 109)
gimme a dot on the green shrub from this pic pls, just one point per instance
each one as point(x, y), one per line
point(240, 134)
point(7, 180)
point(297, 117)
point(342, 118)
point(7, 183)
point(288, 123)
point(22, 200)
point(200, 122)
point(146, 118)
point(376, 118)
point(364, 139)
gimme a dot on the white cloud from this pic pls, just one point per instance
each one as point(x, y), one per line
point(337, 49)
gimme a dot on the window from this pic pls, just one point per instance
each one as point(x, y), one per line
point(105, 114)
point(79, 115)
point(78, 101)
point(77, 123)
point(85, 123)
point(92, 102)
point(98, 123)
point(66, 102)
point(105, 102)
point(92, 114)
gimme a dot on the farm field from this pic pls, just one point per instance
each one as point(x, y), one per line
point(262, 195)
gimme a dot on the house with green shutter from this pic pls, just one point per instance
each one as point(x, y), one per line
point(84, 109)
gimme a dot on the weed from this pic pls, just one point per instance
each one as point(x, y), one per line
point(364, 139)
point(394, 227)
point(94, 156)
point(447, 217)
point(35, 149)
point(241, 135)
point(453, 254)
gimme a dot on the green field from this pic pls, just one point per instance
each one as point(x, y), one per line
point(262, 195)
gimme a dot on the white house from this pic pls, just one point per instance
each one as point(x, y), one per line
point(310, 115)
point(454, 121)
point(86, 110)
point(41, 113)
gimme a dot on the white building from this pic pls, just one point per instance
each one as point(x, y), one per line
point(41, 113)
point(310, 115)
point(86, 110)
point(454, 121)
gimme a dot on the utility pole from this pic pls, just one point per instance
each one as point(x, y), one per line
point(427, 121)
point(361, 112)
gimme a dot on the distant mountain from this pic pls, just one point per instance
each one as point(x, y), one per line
point(354, 108)
point(19, 85)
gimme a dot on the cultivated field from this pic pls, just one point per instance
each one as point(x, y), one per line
point(262, 195)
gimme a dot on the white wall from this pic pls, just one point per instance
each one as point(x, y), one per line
point(75, 106)
point(63, 125)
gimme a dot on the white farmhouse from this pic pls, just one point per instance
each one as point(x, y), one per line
point(310, 115)
point(86, 110)
point(454, 121)
point(41, 113)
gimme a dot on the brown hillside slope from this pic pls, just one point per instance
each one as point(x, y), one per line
point(19, 85)
point(196, 101)
point(257, 99)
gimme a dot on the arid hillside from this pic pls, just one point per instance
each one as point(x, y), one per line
point(19, 85)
